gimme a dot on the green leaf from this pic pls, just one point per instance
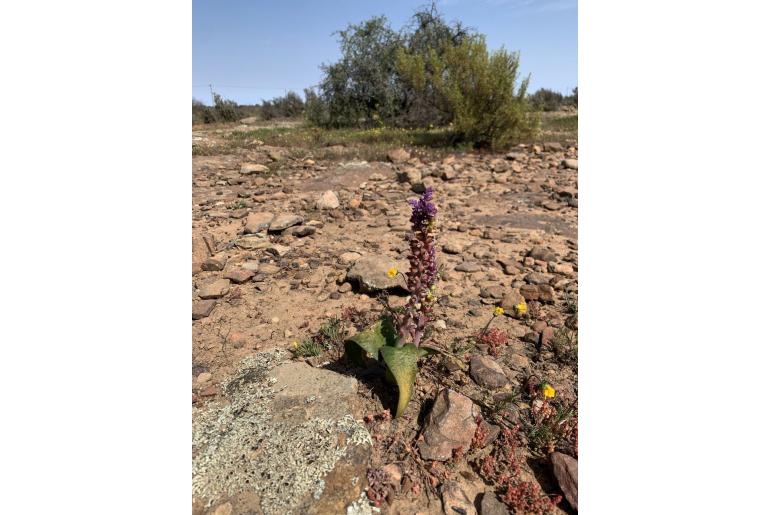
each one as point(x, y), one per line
point(402, 364)
point(367, 343)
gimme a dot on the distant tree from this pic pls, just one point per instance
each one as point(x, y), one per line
point(202, 113)
point(316, 110)
point(225, 110)
point(573, 99)
point(547, 100)
point(427, 33)
point(360, 88)
point(290, 105)
point(430, 73)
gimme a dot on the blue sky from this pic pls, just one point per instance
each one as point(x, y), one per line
point(257, 49)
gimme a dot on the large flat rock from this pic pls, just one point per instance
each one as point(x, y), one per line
point(370, 273)
point(287, 441)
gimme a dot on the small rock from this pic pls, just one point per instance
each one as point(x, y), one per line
point(542, 254)
point(411, 175)
point(202, 309)
point(253, 168)
point(565, 468)
point(215, 263)
point(492, 292)
point(530, 291)
point(303, 230)
point(252, 242)
point(560, 268)
point(536, 278)
point(239, 275)
point(570, 163)
point(215, 290)
point(418, 187)
point(450, 424)
point(490, 505)
point(455, 501)
point(371, 273)
point(203, 377)
point(468, 266)
point(398, 155)
point(552, 147)
point(439, 325)
point(486, 372)
point(278, 250)
point(510, 301)
point(327, 200)
point(546, 293)
point(453, 247)
point(349, 257)
point(257, 222)
point(284, 221)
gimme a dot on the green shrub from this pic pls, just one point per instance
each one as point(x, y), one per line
point(487, 106)
point(547, 100)
point(367, 88)
point(225, 110)
point(290, 105)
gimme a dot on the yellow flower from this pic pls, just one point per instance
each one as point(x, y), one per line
point(548, 391)
point(521, 307)
point(392, 272)
point(499, 311)
point(294, 345)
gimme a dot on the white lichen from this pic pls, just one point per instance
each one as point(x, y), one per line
point(238, 446)
point(361, 506)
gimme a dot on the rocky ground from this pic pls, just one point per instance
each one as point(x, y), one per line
point(290, 255)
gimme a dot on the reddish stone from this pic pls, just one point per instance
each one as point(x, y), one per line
point(239, 275)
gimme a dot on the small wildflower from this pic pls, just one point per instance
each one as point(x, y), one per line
point(548, 391)
point(294, 345)
point(392, 272)
point(521, 307)
point(499, 311)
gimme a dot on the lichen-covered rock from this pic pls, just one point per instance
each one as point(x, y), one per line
point(450, 424)
point(371, 273)
point(288, 441)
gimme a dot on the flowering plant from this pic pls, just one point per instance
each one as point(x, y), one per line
point(397, 339)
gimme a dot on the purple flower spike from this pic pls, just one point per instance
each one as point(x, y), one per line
point(423, 210)
point(423, 271)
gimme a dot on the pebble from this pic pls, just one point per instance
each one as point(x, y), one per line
point(202, 309)
point(215, 263)
point(327, 200)
point(239, 275)
point(215, 290)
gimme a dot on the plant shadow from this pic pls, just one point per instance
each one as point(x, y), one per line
point(371, 377)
